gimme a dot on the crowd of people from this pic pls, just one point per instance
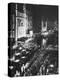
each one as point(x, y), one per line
point(30, 58)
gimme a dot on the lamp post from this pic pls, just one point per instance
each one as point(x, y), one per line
point(16, 26)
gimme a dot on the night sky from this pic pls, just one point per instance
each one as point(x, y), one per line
point(46, 12)
point(50, 12)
